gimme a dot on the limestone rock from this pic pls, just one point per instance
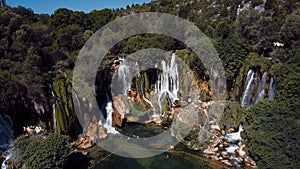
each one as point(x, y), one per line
point(83, 142)
point(121, 108)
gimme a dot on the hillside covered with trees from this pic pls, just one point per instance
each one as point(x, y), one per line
point(38, 53)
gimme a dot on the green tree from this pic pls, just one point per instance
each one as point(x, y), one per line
point(48, 152)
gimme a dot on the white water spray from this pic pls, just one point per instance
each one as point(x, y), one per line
point(246, 95)
point(261, 93)
point(109, 123)
point(168, 82)
point(54, 112)
point(272, 89)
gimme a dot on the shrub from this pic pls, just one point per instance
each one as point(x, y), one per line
point(48, 152)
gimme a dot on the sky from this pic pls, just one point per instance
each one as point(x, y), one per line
point(49, 6)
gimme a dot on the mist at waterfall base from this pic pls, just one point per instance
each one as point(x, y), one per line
point(254, 89)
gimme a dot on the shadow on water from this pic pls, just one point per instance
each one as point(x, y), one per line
point(167, 160)
point(162, 161)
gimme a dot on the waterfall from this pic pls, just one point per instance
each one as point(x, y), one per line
point(235, 137)
point(5, 164)
point(108, 108)
point(54, 112)
point(124, 77)
point(261, 93)
point(249, 95)
point(6, 139)
point(6, 133)
point(168, 82)
point(109, 123)
point(246, 95)
point(272, 89)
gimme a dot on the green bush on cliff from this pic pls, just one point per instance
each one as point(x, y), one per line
point(48, 152)
point(273, 128)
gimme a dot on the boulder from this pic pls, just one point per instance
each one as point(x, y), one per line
point(86, 143)
point(226, 162)
point(171, 148)
point(102, 132)
point(230, 130)
point(215, 127)
point(240, 151)
point(216, 142)
point(92, 131)
point(131, 119)
point(209, 151)
point(121, 108)
point(157, 120)
point(224, 153)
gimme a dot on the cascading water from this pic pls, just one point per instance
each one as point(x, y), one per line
point(234, 137)
point(108, 123)
point(261, 93)
point(6, 139)
point(108, 108)
point(54, 112)
point(124, 77)
point(246, 100)
point(6, 133)
point(272, 89)
point(254, 90)
point(7, 155)
point(168, 82)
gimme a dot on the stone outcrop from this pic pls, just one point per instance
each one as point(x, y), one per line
point(95, 132)
point(82, 143)
point(121, 108)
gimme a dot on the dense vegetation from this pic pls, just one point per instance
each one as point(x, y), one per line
point(48, 152)
point(38, 53)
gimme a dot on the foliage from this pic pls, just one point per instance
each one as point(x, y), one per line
point(38, 53)
point(272, 128)
point(233, 52)
point(48, 152)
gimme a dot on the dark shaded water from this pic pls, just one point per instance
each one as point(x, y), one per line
point(182, 158)
point(162, 161)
